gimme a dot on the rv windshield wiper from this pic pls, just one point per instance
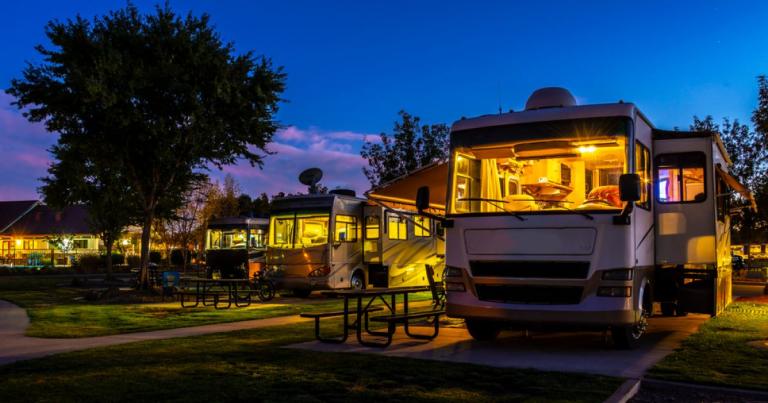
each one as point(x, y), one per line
point(583, 213)
point(493, 202)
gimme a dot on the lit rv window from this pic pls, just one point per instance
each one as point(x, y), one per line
point(643, 168)
point(257, 238)
point(372, 227)
point(281, 229)
point(397, 228)
point(680, 178)
point(560, 174)
point(311, 230)
point(227, 239)
point(345, 229)
point(421, 226)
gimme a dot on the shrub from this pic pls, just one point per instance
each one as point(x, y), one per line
point(155, 257)
point(89, 262)
point(133, 261)
point(177, 257)
point(116, 259)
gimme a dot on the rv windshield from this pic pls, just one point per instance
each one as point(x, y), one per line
point(298, 230)
point(227, 238)
point(543, 175)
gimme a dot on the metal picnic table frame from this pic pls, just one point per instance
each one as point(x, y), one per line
point(362, 310)
point(203, 288)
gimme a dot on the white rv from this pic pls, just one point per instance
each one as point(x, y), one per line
point(564, 214)
point(337, 240)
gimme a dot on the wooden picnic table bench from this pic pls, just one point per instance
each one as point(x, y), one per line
point(388, 296)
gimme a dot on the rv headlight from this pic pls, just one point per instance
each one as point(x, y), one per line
point(454, 272)
point(621, 292)
point(618, 275)
point(455, 287)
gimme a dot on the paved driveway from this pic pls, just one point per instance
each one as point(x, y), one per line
point(585, 352)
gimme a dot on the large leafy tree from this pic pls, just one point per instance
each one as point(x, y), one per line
point(159, 93)
point(410, 146)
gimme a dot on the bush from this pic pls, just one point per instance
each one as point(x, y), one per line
point(116, 259)
point(134, 261)
point(177, 257)
point(155, 257)
point(89, 262)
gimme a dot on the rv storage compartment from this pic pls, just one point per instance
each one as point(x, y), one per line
point(378, 275)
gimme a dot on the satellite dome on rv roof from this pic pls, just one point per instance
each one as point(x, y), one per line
point(550, 97)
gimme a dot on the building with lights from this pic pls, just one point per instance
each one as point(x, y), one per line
point(34, 234)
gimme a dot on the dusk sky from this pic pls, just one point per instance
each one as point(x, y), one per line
point(352, 65)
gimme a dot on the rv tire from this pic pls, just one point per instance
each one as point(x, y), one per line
point(357, 281)
point(483, 330)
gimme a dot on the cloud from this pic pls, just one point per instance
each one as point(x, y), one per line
point(296, 149)
point(24, 158)
point(23, 155)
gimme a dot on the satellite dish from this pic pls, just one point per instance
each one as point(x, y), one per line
point(311, 176)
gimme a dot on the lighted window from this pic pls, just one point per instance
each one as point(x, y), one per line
point(282, 231)
point(397, 227)
point(372, 227)
point(345, 229)
point(643, 169)
point(421, 226)
point(257, 238)
point(680, 178)
point(227, 239)
point(311, 230)
point(80, 244)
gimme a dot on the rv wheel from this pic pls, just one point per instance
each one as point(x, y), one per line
point(483, 330)
point(627, 337)
point(357, 282)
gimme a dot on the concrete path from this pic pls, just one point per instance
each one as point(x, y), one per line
point(584, 352)
point(14, 346)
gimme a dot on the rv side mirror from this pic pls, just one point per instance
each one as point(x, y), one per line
point(629, 187)
point(422, 198)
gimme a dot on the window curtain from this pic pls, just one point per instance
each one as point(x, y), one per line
point(489, 186)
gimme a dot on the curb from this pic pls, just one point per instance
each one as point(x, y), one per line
point(746, 393)
point(630, 387)
point(626, 391)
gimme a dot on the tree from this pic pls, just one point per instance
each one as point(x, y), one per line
point(159, 93)
point(747, 151)
point(95, 181)
point(411, 146)
point(182, 229)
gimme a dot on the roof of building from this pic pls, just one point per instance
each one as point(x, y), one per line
point(39, 219)
point(11, 211)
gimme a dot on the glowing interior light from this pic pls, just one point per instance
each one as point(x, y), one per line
point(126, 242)
point(587, 149)
point(18, 243)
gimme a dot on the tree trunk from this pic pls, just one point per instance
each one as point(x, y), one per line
point(146, 231)
point(108, 244)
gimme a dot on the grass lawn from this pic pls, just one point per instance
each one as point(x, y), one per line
point(56, 312)
point(249, 365)
point(718, 354)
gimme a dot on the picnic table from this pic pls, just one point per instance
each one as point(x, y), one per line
point(363, 306)
point(216, 292)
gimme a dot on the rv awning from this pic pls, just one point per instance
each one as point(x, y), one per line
point(402, 191)
point(734, 184)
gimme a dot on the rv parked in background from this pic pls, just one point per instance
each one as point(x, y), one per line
point(564, 214)
point(235, 246)
point(338, 240)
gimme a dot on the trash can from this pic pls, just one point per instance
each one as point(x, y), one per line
point(169, 281)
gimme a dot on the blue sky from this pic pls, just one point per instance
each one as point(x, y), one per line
point(352, 65)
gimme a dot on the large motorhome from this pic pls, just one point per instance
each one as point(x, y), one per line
point(564, 214)
point(235, 246)
point(337, 240)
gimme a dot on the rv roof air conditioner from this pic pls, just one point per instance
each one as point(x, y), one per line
point(550, 97)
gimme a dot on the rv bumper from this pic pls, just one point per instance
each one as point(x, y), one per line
point(465, 305)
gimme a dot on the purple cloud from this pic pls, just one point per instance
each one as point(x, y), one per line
point(24, 158)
